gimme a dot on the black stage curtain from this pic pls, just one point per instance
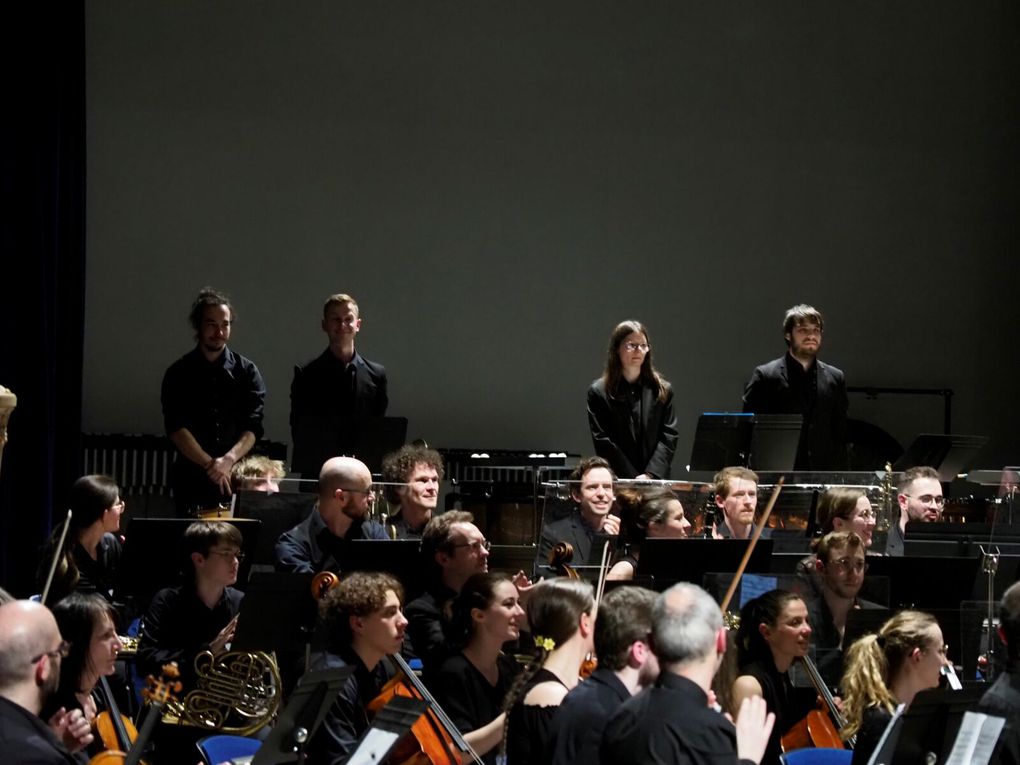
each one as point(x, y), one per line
point(43, 265)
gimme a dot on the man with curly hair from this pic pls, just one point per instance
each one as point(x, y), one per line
point(412, 474)
point(364, 624)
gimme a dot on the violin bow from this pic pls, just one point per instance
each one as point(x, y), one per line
point(56, 557)
point(750, 548)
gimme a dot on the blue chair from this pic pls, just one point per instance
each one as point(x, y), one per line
point(817, 757)
point(221, 748)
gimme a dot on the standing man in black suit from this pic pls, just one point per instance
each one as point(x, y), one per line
point(332, 393)
point(798, 383)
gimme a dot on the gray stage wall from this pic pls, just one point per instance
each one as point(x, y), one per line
point(499, 183)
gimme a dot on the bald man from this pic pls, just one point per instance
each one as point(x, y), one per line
point(30, 655)
point(318, 543)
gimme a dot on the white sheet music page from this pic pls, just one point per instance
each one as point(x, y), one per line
point(976, 740)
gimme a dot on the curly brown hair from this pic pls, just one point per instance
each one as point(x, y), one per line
point(358, 594)
point(398, 466)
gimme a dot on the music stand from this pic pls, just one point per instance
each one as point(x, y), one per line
point(154, 555)
point(928, 727)
point(302, 716)
point(721, 439)
point(774, 441)
point(924, 582)
point(399, 557)
point(278, 513)
point(277, 614)
point(667, 561)
point(949, 454)
point(390, 725)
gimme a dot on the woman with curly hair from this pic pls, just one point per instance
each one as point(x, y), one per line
point(653, 513)
point(561, 613)
point(630, 408)
point(886, 669)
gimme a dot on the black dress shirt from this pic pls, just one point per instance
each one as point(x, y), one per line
point(577, 728)
point(586, 541)
point(216, 401)
point(99, 575)
point(178, 626)
point(310, 547)
point(401, 529)
point(27, 740)
point(874, 721)
point(425, 619)
point(894, 545)
point(670, 723)
point(1003, 700)
point(789, 704)
point(347, 718)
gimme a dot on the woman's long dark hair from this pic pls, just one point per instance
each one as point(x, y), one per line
point(78, 616)
point(91, 496)
point(765, 609)
point(612, 375)
point(479, 591)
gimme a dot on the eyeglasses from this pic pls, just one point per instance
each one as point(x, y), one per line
point(369, 490)
point(229, 554)
point(856, 564)
point(61, 650)
point(943, 651)
point(929, 499)
point(643, 347)
point(865, 515)
point(476, 546)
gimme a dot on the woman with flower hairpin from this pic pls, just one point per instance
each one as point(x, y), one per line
point(561, 613)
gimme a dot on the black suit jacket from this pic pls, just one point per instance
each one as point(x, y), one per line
point(316, 404)
point(609, 420)
point(25, 738)
point(823, 435)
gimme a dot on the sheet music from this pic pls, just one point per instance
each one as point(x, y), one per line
point(976, 739)
point(373, 747)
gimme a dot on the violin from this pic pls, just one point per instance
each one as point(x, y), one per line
point(115, 730)
point(157, 692)
point(820, 728)
point(433, 738)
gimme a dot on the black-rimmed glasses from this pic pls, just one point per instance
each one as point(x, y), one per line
point(61, 650)
point(476, 546)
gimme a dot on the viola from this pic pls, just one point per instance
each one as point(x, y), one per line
point(115, 730)
point(433, 739)
point(820, 728)
point(157, 692)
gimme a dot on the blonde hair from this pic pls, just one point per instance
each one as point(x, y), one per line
point(873, 661)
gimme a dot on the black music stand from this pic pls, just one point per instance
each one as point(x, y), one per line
point(774, 441)
point(924, 582)
point(278, 613)
point(278, 513)
point(399, 557)
point(949, 454)
point(721, 439)
point(390, 725)
point(302, 716)
point(154, 555)
point(928, 726)
point(667, 561)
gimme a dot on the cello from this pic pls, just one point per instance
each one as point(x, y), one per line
point(820, 727)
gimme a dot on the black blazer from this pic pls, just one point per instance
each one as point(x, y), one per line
point(823, 435)
point(609, 420)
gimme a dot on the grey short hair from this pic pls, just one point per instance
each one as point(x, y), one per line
point(685, 621)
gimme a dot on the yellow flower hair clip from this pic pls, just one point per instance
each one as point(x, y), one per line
point(545, 642)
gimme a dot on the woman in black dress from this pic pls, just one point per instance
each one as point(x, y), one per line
point(888, 669)
point(91, 552)
point(651, 513)
point(561, 615)
point(472, 684)
point(630, 408)
point(774, 631)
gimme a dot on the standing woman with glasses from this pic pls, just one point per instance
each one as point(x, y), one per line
point(201, 614)
point(888, 669)
point(91, 553)
point(630, 408)
point(87, 624)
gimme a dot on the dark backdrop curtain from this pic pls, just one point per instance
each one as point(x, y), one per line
point(43, 266)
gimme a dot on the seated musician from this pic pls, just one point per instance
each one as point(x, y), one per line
point(651, 513)
point(774, 631)
point(472, 684)
point(452, 549)
point(673, 721)
point(87, 622)
point(736, 496)
point(420, 470)
point(1003, 698)
point(317, 543)
point(91, 553)
point(840, 565)
point(257, 472)
point(842, 508)
point(587, 527)
point(920, 498)
point(626, 665)
point(364, 624)
point(200, 614)
point(561, 613)
point(888, 669)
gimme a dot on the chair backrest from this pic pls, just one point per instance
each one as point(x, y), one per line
point(817, 757)
point(223, 748)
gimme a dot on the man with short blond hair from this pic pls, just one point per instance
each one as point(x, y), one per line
point(736, 497)
point(333, 394)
